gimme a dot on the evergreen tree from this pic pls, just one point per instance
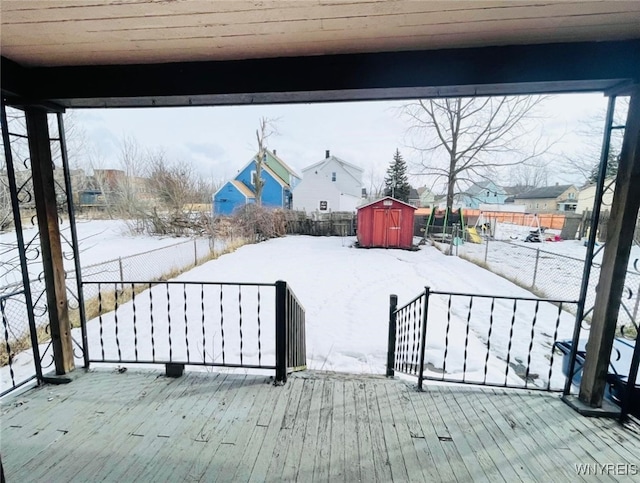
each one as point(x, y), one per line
point(396, 181)
point(612, 168)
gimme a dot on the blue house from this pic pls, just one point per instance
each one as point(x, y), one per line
point(276, 190)
point(484, 192)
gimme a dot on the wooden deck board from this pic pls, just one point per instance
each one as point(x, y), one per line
point(516, 440)
point(310, 441)
point(139, 426)
point(323, 448)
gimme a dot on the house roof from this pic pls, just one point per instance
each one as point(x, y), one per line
point(544, 192)
point(242, 188)
point(354, 171)
point(414, 194)
point(266, 168)
point(476, 188)
point(284, 165)
point(339, 160)
point(386, 198)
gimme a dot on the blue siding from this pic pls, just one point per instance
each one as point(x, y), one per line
point(272, 192)
point(228, 199)
point(491, 194)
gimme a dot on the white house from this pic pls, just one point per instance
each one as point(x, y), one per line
point(329, 185)
point(587, 196)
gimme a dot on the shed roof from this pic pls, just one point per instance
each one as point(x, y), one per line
point(386, 198)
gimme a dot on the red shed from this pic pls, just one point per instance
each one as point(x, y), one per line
point(386, 223)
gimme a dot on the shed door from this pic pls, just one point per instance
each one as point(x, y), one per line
point(379, 228)
point(393, 228)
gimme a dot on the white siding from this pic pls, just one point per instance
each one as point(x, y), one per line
point(313, 189)
point(346, 181)
point(587, 196)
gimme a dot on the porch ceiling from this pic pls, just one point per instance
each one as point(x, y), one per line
point(111, 53)
point(89, 32)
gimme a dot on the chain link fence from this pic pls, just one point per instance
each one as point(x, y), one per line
point(545, 273)
point(152, 265)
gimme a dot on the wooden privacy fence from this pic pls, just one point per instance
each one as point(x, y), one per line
point(320, 224)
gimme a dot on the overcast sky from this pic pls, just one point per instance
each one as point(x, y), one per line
point(221, 140)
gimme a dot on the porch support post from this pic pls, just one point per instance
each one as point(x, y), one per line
point(624, 214)
point(50, 244)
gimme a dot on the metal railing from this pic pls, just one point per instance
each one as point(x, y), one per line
point(477, 339)
point(215, 324)
point(16, 337)
point(290, 332)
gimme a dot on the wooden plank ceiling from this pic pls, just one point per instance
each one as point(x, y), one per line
point(93, 32)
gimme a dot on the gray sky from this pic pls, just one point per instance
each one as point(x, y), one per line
point(221, 140)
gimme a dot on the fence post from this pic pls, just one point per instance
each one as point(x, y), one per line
point(195, 253)
point(486, 250)
point(281, 332)
point(121, 273)
point(391, 347)
point(451, 243)
point(423, 337)
point(535, 268)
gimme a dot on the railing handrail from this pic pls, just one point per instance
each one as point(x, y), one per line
point(178, 282)
point(12, 294)
point(293, 295)
point(500, 297)
point(413, 300)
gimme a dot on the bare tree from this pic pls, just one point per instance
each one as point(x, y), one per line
point(466, 140)
point(584, 159)
point(376, 184)
point(265, 129)
point(529, 176)
point(173, 184)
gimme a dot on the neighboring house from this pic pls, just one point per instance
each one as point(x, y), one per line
point(276, 192)
point(587, 196)
point(549, 199)
point(414, 198)
point(329, 185)
point(427, 198)
point(485, 192)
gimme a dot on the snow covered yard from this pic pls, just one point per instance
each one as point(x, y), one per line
point(345, 292)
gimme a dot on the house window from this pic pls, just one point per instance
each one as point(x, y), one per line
point(572, 196)
point(253, 178)
point(333, 176)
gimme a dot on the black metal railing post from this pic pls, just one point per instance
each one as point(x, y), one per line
point(17, 224)
point(630, 387)
point(391, 348)
point(423, 337)
point(281, 332)
point(588, 259)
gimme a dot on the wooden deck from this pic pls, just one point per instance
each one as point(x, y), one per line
point(138, 426)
